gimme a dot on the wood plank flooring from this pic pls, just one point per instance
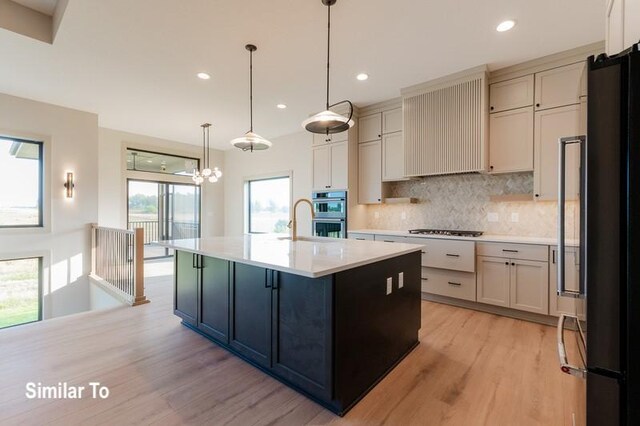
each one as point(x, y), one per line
point(471, 368)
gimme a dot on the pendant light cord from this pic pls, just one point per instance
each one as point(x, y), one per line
point(328, 48)
point(251, 88)
point(204, 148)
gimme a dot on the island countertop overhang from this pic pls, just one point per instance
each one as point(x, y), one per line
point(309, 257)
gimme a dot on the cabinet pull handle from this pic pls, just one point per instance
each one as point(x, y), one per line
point(513, 264)
point(455, 284)
point(267, 279)
point(510, 251)
point(360, 239)
point(553, 256)
point(453, 255)
point(506, 263)
point(274, 280)
point(388, 241)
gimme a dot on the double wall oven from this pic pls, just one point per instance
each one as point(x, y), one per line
point(330, 209)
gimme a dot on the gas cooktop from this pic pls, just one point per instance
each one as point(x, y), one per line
point(451, 232)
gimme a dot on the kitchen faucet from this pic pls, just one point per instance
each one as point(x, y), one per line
point(293, 223)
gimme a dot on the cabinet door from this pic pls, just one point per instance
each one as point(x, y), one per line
point(339, 137)
point(370, 128)
point(321, 167)
point(369, 173)
point(493, 280)
point(302, 332)
point(565, 305)
point(250, 319)
point(392, 121)
point(214, 299)
point(559, 86)
point(511, 94)
point(185, 303)
point(339, 165)
point(511, 141)
point(550, 125)
point(529, 286)
point(321, 139)
point(393, 156)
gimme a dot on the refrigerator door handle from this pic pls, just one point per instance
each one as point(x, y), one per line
point(567, 368)
point(562, 169)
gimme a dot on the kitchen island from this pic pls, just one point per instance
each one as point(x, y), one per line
point(328, 317)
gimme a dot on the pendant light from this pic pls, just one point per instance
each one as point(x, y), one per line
point(251, 141)
point(206, 173)
point(327, 122)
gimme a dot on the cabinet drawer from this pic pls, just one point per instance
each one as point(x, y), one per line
point(514, 251)
point(361, 237)
point(450, 254)
point(461, 285)
point(390, 238)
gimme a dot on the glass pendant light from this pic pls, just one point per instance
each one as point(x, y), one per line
point(206, 173)
point(328, 122)
point(251, 141)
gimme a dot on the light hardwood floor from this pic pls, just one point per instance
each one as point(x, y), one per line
point(470, 368)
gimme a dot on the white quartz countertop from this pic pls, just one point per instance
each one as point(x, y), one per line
point(309, 257)
point(482, 239)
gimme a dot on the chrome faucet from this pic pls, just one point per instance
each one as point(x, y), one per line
point(293, 223)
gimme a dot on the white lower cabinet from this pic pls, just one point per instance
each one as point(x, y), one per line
point(461, 285)
point(514, 283)
point(361, 237)
point(528, 286)
point(493, 281)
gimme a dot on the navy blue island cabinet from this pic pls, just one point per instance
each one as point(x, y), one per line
point(332, 338)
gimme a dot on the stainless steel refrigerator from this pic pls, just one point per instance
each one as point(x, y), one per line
point(609, 241)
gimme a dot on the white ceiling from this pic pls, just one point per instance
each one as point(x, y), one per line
point(43, 6)
point(134, 61)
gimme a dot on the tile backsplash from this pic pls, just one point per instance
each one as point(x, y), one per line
point(463, 202)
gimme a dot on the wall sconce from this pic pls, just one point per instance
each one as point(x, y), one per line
point(69, 185)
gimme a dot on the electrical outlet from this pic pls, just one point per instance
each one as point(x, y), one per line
point(401, 280)
point(515, 217)
point(389, 285)
point(492, 217)
point(403, 215)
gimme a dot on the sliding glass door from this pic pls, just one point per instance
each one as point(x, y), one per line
point(166, 211)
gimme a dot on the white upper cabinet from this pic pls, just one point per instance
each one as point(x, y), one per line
point(370, 128)
point(511, 141)
point(370, 173)
point(321, 167)
point(392, 156)
point(321, 139)
point(331, 166)
point(339, 165)
point(511, 94)
point(392, 121)
point(560, 86)
point(622, 25)
point(550, 125)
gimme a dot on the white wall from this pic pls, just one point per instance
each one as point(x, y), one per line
point(113, 176)
point(291, 153)
point(71, 144)
point(622, 24)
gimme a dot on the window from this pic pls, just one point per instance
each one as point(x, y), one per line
point(20, 291)
point(156, 162)
point(21, 189)
point(268, 205)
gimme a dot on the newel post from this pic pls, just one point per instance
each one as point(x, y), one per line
point(138, 266)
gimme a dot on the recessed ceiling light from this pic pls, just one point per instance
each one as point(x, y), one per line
point(149, 161)
point(505, 26)
point(281, 106)
point(203, 76)
point(362, 76)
